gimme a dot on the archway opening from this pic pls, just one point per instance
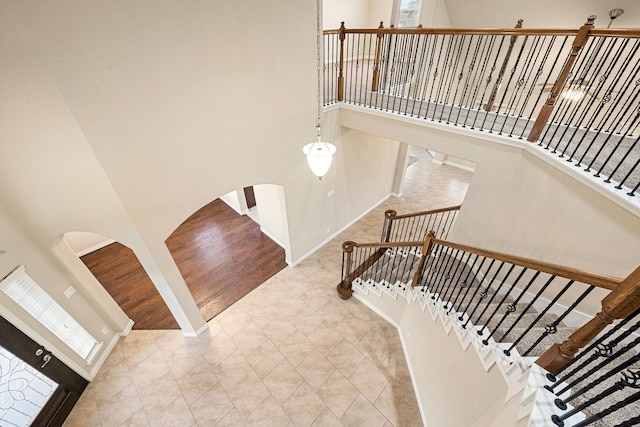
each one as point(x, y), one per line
point(223, 253)
point(119, 271)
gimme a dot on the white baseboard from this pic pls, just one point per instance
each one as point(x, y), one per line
point(127, 328)
point(197, 332)
point(454, 164)
point(269, 235)
point(376, 310)
point(105, 354)
point(414, 381)
point(334, 235)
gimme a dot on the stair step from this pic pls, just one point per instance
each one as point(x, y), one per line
point(492, 314)
point(532, 335)
point(527, 319)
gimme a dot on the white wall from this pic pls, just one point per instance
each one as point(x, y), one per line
point(272, 212)
point(434, 356)
point(434, 13)
point(21, 249)
point(540, 14)
point(123, 120)
point(118, 115)
point(369, 13)
point(356, 13)
point(236, 201)
point(441, 368)
point(380, 10)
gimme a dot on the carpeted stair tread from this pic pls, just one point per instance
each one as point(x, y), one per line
point(611, 398)
point(526, 319)
point(531, 335)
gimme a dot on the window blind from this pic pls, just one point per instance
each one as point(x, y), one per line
point(32, 298)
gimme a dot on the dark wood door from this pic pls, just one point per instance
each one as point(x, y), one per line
point(250, 197)
point(70, 384)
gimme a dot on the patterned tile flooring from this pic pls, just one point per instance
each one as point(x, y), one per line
point(290, 353)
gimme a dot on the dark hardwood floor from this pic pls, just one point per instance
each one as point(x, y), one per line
point(120, 272)
point(221, 255)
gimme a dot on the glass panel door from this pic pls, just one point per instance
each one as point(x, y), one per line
point(36, 388)
point(24, 391)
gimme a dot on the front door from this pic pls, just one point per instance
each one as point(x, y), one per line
point(36, 389)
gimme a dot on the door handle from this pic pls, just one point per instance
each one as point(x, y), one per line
point(46, 358)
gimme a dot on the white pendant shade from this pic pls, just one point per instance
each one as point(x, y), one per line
point(319, 156)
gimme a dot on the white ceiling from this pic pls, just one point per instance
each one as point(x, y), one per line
point(540, 13)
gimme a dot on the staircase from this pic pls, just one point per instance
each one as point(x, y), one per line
point(510, 311)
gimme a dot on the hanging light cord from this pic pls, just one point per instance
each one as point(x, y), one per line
point(319, 153)
point(318, 59)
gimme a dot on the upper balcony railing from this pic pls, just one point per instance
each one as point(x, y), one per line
point(576, 93)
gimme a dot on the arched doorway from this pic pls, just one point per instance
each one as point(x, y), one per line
point(117, 268)
point(223, 254)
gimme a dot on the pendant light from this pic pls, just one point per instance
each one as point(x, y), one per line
point(319, 153)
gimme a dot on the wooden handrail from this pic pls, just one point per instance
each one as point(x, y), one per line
point(620, 303)
point(614, 32)
point(603, 32)
point(599, 280)
point(622, 300)
point(393, 215)
point(468, 31)
point(383, 245)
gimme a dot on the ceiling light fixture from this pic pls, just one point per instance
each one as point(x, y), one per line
point(580, 86)
point(319, 153)
point(613, 14)
point(575, 93)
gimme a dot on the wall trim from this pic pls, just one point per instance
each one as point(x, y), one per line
point(106, 352)
point(269, 235)
point(127, 328)
point(382, 314)
point(454, 164)
point(95, 247)
point(334, 235)
point(197, 331)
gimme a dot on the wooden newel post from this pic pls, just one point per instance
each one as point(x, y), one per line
point(344, 287)
point(625, 299)
point(388, 220)
point(547, 108)
point(507, 56)
point(620, 303)
point(426, 251)
point(376, 62)
point(342, 36)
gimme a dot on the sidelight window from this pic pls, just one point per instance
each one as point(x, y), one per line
point(32, 298)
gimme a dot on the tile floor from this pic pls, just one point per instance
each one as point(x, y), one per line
point(290, 353)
